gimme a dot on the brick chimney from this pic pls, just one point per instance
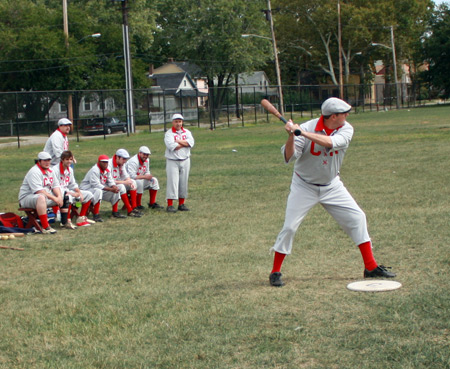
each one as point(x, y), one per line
point(150, 69)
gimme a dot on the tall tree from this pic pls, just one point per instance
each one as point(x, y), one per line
point(208, 33)
point(436, 50)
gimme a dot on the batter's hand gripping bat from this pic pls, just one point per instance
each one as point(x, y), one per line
point(273, 110)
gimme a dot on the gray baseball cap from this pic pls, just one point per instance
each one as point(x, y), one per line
point(144, 150)
point(333, 105)
point(43, 155)
point(177, 116)
point(64, 122)
point(123, 153)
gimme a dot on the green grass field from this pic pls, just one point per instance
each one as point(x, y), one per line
point(190, 290)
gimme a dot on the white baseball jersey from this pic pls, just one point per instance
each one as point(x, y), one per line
point(55, 145)
point(66, 178)
point(169, 139)
point(136, 167)
point(321, 165)
point(117, 173)
point(97, 178)
point(38, 179)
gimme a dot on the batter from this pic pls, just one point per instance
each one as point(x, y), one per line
point(318, 154)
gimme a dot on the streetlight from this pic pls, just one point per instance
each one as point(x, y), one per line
point(277, 65)
point(94, 35)
point(394, 60)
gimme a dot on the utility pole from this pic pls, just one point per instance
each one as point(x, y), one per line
point(275, 52)
point(128, 72)
point(341, 79)
point(394, 60)
point(66, 39)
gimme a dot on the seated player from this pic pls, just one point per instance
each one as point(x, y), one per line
point(71, 191)
point(40, 190)
point(99, 182)
point(117, 167)
point(138, 168)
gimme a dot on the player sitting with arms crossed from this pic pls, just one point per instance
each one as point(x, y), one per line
point(138, 168)
point(70, 191)
point(318, 154)
point(100, 183)
point(117, 167)
point(58, 141)
point(40, 190)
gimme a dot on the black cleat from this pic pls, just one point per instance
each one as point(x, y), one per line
point(116, 214)
point(98, 218)
point(183, 208)
point(379, 272)
point(135, 213)
point(275, 279)
point(140, 207)
point(171, 209)
point(156, 206)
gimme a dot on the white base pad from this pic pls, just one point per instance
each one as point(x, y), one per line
point(374, 285)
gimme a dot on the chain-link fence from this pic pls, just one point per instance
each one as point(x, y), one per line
point(104, 111)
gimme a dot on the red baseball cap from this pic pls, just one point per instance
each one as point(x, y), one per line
point(103, 158)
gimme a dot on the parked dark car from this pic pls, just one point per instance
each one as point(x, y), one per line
point(105, 125)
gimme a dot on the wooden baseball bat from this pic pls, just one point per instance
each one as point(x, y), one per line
point(266, 104)
point(11, 248)
point(14, 234)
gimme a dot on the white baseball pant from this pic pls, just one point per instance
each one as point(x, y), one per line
point(177, 178)
point(335, 198)
point(145, 184)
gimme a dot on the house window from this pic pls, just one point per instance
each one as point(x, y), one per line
point(185, 83)
point(87, 105)
point(62, 108)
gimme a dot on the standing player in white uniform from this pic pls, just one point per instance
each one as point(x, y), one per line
point(179, 142)
point(138, 168)
point(70, 191)
point(117, 167)
point(318, 154)
point(40, 190)
point(100, 183)
point(58, 141)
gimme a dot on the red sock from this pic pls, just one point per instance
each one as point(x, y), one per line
point(180, 201)
point(55, 209)
point(125, 200)
point(44, 221)
point(169, 202)
point(115, 207)
point(97, 208)
point(133, 195)
point(367, 255)
point(153, 196)
point(84, 208)
point(278, 261)
point(139, 199)
point(68, 211)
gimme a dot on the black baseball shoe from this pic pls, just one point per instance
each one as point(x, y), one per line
point(171, 209)
point(379, 272)
point(135, 213)
point(140, 207)
point(98, 218)
point(155, 206)
point(116, 214)
point(183, 208)
point(275, 279)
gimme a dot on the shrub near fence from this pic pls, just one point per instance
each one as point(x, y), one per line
point(36, 113)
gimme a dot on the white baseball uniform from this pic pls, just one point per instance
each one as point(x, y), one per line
point(136, 167)
point(55, 145)
point(67, 181)
point(178, 163)
point(37, 179)
point(316, 180)
point(119, 173)
point(95, 181)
